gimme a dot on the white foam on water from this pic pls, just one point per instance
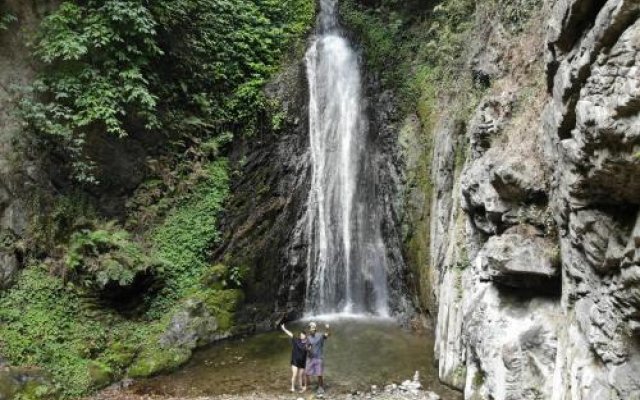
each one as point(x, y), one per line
point(344, 316)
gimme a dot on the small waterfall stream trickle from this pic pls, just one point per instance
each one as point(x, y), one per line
point(347, 262)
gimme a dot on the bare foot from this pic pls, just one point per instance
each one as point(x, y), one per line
point(303, 389)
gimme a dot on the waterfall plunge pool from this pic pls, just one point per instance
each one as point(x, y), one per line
point(360, 352)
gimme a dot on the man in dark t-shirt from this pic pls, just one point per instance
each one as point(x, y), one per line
point(315, 347)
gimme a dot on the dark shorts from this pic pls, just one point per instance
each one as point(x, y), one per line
point(298, 362)
point(314, 367)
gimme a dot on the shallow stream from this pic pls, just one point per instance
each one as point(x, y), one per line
point(359, 353)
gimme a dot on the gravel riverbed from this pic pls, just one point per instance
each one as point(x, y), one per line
point(407, 390)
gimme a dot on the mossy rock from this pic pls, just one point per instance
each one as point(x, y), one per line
point(121, 354)
point(227, 300)
point(8, 386)
point(154, 360)
point(36, 390)
point(223, 304)
point(25, 384)
point(100, 374)
point(215, 275)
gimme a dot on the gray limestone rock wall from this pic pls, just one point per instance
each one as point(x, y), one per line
point(535, 242)
point(592, 131)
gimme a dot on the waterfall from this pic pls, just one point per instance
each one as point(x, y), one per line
point(347, 262)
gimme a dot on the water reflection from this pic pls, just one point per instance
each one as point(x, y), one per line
point(359, 353)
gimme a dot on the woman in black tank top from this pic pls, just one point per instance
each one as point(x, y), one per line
point(298, 358)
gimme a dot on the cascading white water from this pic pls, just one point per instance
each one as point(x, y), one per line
point(346, 256)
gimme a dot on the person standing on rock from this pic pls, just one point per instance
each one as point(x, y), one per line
point(315, 346)
point(298, 358)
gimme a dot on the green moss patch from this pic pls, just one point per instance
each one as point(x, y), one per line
point(155, 359)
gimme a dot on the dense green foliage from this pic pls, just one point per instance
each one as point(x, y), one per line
point(48, 323)
point(6, 20)
point(188, 68)
point(190, 72)
point(407, 43)
point(185, 237)
point(107, 256)
point(98, 57)
point(62, 325)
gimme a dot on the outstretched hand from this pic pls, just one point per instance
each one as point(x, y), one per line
point(285, 330)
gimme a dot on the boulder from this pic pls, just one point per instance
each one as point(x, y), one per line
point(25, 383)
point(154, 360)
point(190, 326)
point(201, 319)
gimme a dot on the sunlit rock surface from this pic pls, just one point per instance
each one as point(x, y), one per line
point(538, 281)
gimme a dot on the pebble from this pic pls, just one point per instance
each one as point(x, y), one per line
point(407, 390)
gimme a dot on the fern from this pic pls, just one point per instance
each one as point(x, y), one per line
point(97, 258)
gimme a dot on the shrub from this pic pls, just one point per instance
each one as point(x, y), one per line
point(107, 256)
point(6, 20)
point(416, 48)
point(97, 58)
point(220, 276)
point(193, 68)
point(186, 235)
point(42, 323)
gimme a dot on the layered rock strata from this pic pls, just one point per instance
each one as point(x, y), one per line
point(536, 258)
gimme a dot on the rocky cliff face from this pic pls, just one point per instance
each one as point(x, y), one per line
point(18, 170)
point(534, 242)
point(264, 225)
point(592, 132)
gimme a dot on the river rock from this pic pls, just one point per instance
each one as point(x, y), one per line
point(25, 383)
point(191, 326)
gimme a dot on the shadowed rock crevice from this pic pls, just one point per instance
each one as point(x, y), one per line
point(262, 229)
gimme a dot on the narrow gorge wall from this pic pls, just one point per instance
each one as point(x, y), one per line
point(19, 171)
point(532, 266)
point(263, 225)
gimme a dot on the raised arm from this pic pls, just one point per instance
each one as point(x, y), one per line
point(327, 332)
point(284, 329)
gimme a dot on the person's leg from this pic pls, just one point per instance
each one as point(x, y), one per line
point(294, 376)
point(310, 371)
point(320, 372)
point(301, 378)
point(307, 379)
